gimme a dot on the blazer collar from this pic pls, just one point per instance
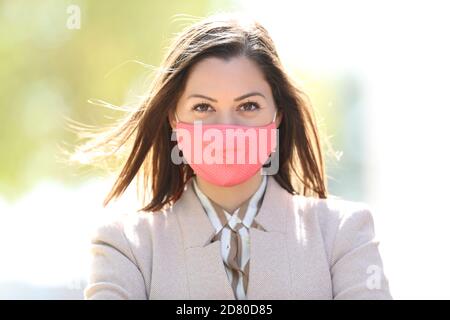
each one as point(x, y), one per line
point(198, 230)
point(269, 265)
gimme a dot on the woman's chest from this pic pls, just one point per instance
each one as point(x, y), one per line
point(282, 265)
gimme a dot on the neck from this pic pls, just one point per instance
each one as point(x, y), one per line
point(230, 198)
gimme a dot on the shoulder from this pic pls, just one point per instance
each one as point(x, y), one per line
point(334, 212)
point(121, 258)
point(341, 223)
point(345, 226)
point(330, 214)
point(348, 232)
point(129, 233)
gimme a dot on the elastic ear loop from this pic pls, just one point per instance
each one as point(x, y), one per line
point(273, 120)
point(176, 118)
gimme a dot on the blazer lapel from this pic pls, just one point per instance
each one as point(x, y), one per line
point(269, 260)
point(207, 278)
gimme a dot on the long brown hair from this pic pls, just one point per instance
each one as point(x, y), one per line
point(147, 131)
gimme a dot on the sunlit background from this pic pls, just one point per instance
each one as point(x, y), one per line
point(377, 73)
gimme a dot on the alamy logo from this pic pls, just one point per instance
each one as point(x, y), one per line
point(74, 19)
point(374, 280)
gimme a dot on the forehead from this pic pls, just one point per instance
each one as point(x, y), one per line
point(222, 79)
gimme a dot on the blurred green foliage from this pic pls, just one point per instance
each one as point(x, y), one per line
point(48, 72)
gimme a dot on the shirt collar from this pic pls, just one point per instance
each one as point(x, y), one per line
point(252, 208)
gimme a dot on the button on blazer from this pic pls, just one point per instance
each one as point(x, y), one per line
point(311, 249)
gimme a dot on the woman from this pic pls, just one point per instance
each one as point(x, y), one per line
point(215, 227)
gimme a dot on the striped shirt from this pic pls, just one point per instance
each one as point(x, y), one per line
point(232, 229)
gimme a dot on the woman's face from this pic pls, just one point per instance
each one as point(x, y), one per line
point(226, 92)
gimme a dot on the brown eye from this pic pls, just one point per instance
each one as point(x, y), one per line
point(249, 106)
point(202, 107)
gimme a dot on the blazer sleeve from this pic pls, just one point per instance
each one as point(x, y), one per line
point(113, 271)
point(357, 268)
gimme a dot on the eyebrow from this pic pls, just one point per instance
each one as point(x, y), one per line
point(250, 94)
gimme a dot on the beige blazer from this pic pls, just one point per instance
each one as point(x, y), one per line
point(311, 249)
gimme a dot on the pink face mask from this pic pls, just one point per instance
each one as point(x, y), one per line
point(226, 155)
